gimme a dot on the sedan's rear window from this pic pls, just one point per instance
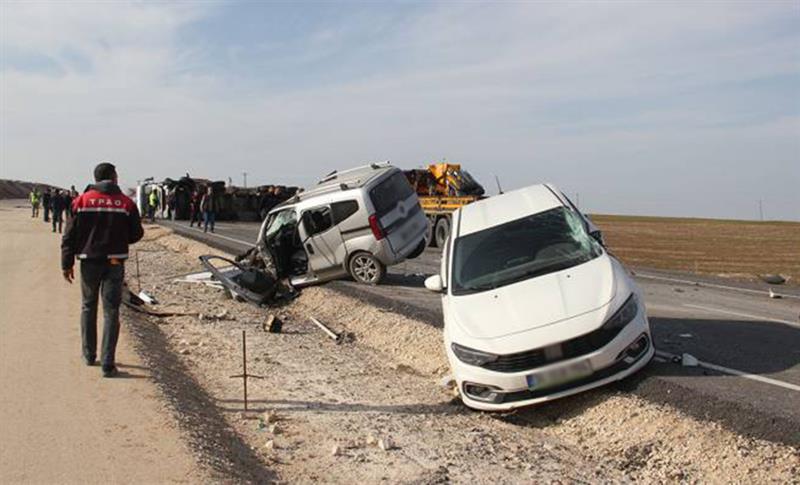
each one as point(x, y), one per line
point(386, 194)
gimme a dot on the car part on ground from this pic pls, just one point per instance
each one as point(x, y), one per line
point(256, 285)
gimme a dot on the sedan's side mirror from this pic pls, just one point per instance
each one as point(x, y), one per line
point(434, 283)
point(598, 236)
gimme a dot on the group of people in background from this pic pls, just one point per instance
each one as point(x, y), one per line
point(56, 205)
point(271, 197)
point(203, 206)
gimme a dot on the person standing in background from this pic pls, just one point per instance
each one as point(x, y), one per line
point(194, 208)
point(209, 206)
point(35, 200)
point(68, 198)
point(152, 205)
point(57, 206)
point(46, 204)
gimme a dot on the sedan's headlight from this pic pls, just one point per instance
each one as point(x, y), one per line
point(624, 315)
point(472, 356)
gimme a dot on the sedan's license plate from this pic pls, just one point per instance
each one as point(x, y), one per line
point(559, 375)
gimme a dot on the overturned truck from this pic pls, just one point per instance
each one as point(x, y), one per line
point(175, 198)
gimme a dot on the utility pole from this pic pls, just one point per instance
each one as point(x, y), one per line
point(761, 210)
point(245, 179)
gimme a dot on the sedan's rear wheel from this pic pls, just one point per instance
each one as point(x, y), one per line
point(365, 268)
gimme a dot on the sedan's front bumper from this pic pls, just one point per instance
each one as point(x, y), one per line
point(510, 390)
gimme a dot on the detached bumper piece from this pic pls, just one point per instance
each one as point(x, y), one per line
point(625, 360)
point(254, 285)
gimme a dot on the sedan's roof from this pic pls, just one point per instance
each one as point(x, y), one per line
point(506, 207)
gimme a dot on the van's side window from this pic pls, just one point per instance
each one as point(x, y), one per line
point(343, 210)
point(317, 220)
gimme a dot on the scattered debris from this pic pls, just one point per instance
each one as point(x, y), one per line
point(185, 351)
point(274, 429)
point(371, 440)
point(774, 295)
point(272, 324)
point(679, 290)
point(269, 445)
point(386, 444)
point(336, 450)
point(330, 333)
point(689, 360)
point(773, 279)
point(147, 298)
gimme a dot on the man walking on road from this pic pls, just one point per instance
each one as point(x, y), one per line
point(104, 223)
point(57, 205)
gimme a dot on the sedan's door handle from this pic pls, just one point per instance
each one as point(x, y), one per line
point(310, 249)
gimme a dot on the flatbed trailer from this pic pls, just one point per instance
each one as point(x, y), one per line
point(439, 210)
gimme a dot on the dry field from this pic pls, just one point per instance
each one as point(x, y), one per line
point(725, 248)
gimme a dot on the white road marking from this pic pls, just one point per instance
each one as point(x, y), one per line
point(710, 285)
point(734, 372)
point(745, 315)
point(237, 241)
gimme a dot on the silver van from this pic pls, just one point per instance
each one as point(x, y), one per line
point(354, 222)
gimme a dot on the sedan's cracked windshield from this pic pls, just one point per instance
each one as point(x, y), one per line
point(542, 243)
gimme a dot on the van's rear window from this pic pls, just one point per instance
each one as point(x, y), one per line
point(386, 194)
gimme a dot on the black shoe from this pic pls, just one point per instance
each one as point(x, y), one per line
point(89, 361)
point(110, 371)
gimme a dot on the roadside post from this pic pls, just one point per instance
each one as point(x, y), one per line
point(244, 375)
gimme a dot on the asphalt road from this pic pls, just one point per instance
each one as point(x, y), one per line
point(748, 343)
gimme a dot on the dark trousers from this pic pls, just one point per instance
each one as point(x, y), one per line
point(46, 212)
point(58, 219)
point(101, 279)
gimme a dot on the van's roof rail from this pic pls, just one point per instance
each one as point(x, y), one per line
point(336, 174)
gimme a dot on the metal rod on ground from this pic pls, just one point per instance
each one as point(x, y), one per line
point(244, 366)
point(138, 280)
point(335, 336)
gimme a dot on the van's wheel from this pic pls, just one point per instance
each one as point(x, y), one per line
point(441, 231)
point(366, 269)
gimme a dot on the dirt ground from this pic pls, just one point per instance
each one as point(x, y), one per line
point(60, 421)
point(372, 409)
point(731, 249)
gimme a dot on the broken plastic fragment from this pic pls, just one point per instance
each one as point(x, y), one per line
point(689, 360)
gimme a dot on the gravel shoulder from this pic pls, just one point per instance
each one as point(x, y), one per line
point(372, 408)
point(60, 421)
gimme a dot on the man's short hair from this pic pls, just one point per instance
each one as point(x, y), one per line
point(104, 171)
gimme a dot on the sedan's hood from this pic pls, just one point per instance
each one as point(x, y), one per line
point(536, 302)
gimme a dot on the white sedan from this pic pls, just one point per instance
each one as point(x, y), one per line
point(534, 306)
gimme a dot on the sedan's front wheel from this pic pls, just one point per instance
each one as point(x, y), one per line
point(365, 268)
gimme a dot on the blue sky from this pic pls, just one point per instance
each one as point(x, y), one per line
point(664, 108)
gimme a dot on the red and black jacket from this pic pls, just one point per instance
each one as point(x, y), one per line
point(104, 223)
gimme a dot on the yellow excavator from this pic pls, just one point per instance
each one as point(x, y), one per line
point(442, 188)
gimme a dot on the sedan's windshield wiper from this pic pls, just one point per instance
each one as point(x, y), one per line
point(484, 287)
